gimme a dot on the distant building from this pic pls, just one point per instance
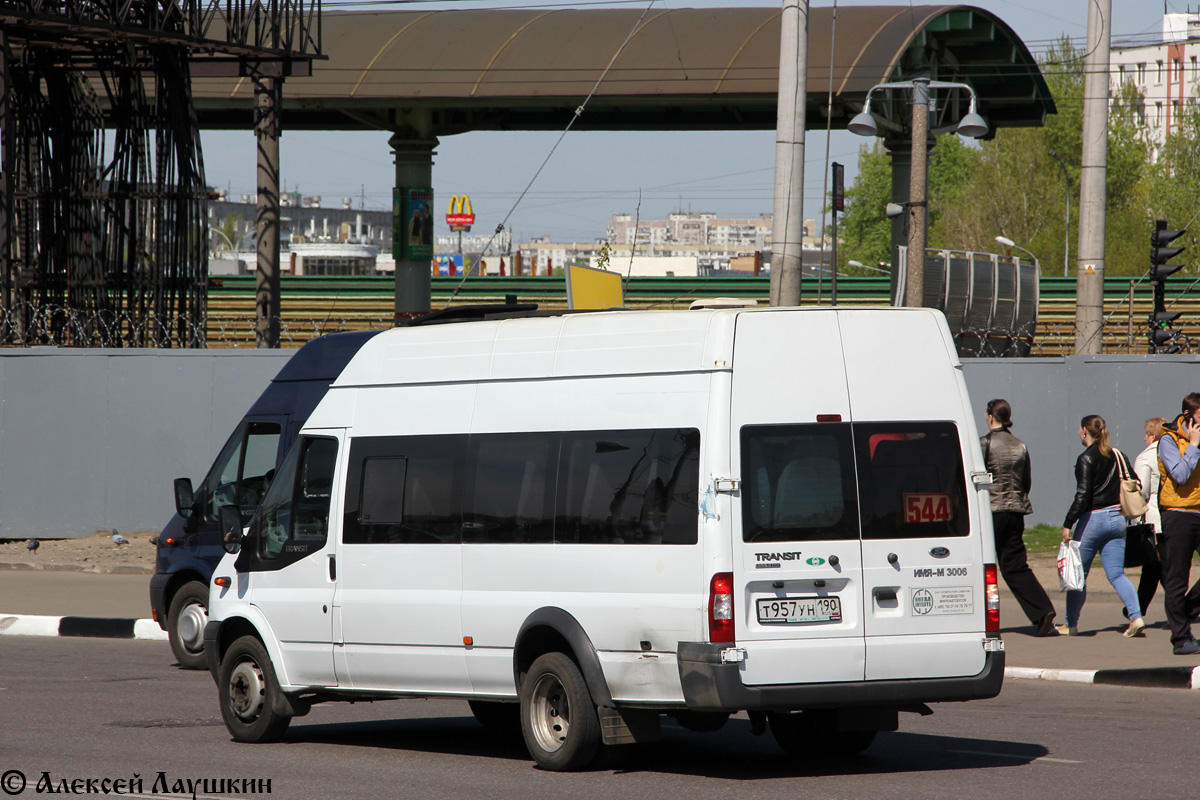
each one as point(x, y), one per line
point(448, 244)
point(680, 231)
point(1166, 74)
point(313, 240)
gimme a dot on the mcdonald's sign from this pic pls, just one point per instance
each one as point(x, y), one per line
point(459, 217)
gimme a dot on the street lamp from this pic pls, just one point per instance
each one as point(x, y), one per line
point(1007, 242)
point(971, 125)
point(1067, 226)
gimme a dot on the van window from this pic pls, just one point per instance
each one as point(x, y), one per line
point(629, 487)
point(911, 480)
point(242, 471)
point(382, 491)
point(294, 517)
point(512, 485)
point(798, 483)
point(405, 490)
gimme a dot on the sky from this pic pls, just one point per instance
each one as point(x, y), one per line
point(593, 175)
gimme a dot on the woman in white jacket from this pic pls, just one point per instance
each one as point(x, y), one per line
point(1146, 467)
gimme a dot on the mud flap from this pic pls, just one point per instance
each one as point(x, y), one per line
point(629, 726)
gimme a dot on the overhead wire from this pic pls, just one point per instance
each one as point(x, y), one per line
point(578, 113)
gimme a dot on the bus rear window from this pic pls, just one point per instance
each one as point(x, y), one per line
point(911, 480)
point(798, 483)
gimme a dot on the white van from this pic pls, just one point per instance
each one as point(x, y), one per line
point(587, 521)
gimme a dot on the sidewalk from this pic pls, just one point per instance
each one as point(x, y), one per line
point(1100, 654)
point(1100, 648)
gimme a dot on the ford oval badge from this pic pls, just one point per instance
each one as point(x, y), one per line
point(939, 552)
point(816, 561)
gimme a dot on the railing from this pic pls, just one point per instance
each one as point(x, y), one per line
point(314, 305)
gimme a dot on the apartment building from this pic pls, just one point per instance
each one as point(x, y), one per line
point(1166, 74)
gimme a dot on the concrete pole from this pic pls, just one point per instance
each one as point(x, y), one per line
point(918, 222)
point(1089, 267)
point(414, 169)
point(787, 230)
point(7, 186)
point(268, 95)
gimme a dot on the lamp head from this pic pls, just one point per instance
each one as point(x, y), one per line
point(972, 125)
point(1004, 240)
point(894, 210)
point(863, 124)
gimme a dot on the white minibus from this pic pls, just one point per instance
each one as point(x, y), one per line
point(582, 522)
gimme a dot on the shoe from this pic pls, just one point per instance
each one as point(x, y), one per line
point(1187, 648)
point(1045, 626)
point(1070, 630)
point(1135, 628)
point(1124, 612)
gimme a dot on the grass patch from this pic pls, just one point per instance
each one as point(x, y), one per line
point(1043, 539)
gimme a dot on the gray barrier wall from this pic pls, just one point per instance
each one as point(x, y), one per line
point(1050, 395)
point(91, 439)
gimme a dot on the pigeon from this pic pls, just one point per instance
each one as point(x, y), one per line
point(118, 539)
point(32, 544)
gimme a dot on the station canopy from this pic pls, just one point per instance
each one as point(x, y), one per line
point(454, 71)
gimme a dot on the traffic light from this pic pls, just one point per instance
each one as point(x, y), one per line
point(1161, 334)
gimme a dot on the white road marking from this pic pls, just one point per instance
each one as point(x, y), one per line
point(1015, 757)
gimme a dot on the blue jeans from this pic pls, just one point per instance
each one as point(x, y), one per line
point(1102, 531)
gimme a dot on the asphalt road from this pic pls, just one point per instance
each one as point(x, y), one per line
point(88, 708)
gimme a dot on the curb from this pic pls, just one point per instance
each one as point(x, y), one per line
point(95, 627)
point(1147, 678)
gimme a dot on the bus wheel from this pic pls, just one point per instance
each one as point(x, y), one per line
point(558, 717)
point(249, 693)
point(185, 624)
point(814, 734)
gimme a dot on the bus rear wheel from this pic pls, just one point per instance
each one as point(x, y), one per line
point(558, 718)
point(814, 735)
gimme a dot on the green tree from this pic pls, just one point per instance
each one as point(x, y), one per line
point(865, 233)
point(1012, 185)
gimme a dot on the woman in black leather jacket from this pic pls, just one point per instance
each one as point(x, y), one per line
point(1099, 526)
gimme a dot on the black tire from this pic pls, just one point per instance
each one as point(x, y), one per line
point(701, 721)
point(814, 735)
point(185, 625)
point(558, 717)
point(502, 717)
point(248, 692)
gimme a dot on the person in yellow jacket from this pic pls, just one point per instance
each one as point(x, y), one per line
point(1179, 505)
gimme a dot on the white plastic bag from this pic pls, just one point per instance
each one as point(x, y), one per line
point(1070, 567)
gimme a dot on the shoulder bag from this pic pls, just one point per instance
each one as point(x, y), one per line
point(1133, 505)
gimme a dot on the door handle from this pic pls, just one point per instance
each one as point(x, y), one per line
point(333, 568)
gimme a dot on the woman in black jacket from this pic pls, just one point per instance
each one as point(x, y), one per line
point(1099, 526)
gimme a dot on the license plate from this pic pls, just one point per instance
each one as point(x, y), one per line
point(799, 609)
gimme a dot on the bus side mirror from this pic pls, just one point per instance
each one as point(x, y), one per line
point(185, 498)
point(229, 520)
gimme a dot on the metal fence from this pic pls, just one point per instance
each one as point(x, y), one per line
point(313, 306)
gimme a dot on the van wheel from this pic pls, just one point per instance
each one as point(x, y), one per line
point(185, 624)
point(558, 717)
point(501, 717)
point(814, 734)
point(249, 693)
